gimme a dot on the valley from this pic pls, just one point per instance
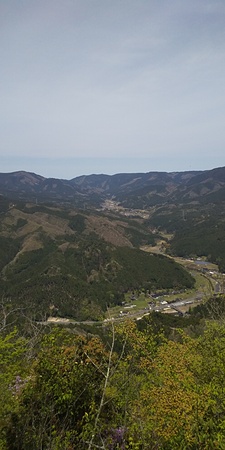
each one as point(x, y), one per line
point(84, 246)
point(112, 311)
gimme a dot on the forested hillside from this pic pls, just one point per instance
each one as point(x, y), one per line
point(196, 230)
point(182, 203)
point(133, 390)
point(59, 261)
point(133, 190)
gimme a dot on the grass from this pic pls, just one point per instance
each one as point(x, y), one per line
point(203, 287)
point(140, 303)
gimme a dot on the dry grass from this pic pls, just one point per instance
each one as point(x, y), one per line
point(108, 230)
point(51, 225)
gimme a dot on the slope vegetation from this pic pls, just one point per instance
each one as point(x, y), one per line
point(65, 262)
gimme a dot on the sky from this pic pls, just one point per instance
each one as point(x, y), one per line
point(111, 86)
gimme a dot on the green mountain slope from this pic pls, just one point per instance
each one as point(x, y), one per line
point(58, 261)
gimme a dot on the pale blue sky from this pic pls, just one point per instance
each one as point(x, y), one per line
point(108, 86)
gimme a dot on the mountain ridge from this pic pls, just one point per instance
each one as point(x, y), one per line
point(135, 190)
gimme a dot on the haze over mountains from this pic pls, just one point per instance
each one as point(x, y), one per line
point(133, 190)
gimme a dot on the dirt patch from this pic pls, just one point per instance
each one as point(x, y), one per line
point(50, 224)
point(108, 230)
point(32, 242)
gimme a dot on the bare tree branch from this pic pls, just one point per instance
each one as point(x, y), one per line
point(107, 376)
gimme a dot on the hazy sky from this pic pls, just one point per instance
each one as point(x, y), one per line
point(108, 86)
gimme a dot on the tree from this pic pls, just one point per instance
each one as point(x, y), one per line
point(58, 405)
point(13, 373)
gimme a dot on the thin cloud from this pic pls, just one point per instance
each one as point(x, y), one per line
point(114, 79)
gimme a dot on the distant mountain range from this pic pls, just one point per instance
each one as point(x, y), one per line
point(134, 190)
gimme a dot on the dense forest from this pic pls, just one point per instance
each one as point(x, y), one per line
point(67, 263)
point(196, 230)
point(132, 388)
